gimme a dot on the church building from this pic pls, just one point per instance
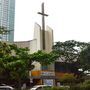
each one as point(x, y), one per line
point(37, 75)
point(42, 40)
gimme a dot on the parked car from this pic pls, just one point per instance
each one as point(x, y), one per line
point(6, 87)
point(41, 87)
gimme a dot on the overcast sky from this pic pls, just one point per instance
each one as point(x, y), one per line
point(69, 19)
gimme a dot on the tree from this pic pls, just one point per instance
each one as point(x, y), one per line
point(44, 58)
point(84, 59)
point(69, 51)
point(4, 53)
point(14, 62)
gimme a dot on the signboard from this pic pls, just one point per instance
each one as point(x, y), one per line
point(47, 73)
point(49, 82)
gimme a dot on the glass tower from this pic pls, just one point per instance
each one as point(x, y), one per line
point(7, 13)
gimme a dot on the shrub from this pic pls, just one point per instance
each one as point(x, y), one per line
point(76, 87)
point(85, 87)
point(68, 79)
point(59, 88)
point(80, 87)
point(87, 82)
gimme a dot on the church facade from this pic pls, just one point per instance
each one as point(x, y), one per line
point(52, 74)
point(37, 76)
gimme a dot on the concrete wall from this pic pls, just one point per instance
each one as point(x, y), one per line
point(48, 39)
point(38, 36)
point(33, 46)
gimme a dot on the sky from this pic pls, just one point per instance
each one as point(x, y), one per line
point(69, 19)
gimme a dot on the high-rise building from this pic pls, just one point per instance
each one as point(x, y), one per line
point(7, 12)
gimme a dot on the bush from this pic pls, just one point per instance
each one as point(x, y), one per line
point(68, 79)
point(85, 87)
point(87, 82)
point(76, 87)
point(81, 87)
point(59, 88)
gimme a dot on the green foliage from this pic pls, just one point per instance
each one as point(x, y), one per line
point(84, 58)
point(70, 50)
point(14, 62)
point(82, 86)
point(68, 79)
point(76, 87)
point(44, 58)
point(85, 85)
point(3, 30)
point(73, 51)
point(87, 82)
point(58, 88)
